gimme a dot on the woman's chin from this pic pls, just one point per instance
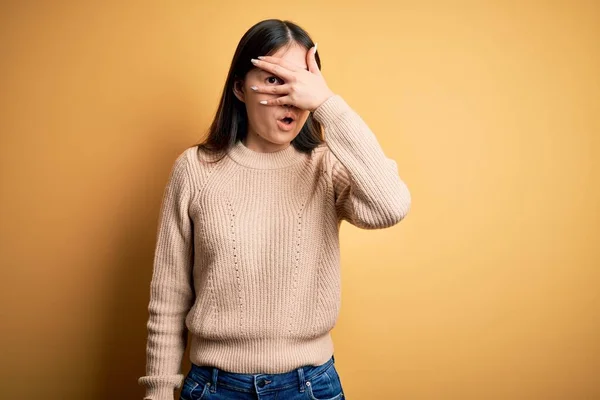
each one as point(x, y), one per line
point(283, 137)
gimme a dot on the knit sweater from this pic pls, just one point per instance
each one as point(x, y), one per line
point(247, 257)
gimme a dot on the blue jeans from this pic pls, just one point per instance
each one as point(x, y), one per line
point(309, 382)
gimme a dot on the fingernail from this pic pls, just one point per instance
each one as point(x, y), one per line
point(253, 61)
point(316, 47)
point(263, 102)
point(260, 57)
point(253, 87)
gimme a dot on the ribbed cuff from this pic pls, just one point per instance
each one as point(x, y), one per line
point(160, 393)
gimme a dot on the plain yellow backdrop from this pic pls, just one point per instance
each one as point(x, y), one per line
point(489, 289)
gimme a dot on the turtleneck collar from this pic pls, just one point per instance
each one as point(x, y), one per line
point(259, 160)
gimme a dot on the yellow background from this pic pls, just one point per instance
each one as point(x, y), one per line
point(489, 289)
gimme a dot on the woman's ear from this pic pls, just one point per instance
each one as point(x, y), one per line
point(238, 90)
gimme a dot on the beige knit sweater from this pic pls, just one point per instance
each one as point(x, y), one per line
point(247, 253)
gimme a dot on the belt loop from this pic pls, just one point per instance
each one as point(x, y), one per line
point(301, 378)
point(215, 373)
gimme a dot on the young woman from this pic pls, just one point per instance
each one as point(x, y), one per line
point(247, 257)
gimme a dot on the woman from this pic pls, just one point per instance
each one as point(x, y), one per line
point(247, 253)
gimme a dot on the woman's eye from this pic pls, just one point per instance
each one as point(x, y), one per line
point(273, 77)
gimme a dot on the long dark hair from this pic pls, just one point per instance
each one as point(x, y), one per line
point(231, 121)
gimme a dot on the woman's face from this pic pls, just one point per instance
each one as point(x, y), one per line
point(265, 131)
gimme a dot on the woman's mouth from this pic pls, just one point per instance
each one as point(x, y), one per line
point(286, 124)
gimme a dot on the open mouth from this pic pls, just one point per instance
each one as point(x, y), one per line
point(288, 122)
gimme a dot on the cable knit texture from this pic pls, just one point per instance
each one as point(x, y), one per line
point(247, 257)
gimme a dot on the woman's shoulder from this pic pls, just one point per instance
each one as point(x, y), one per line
point(321, 147)
point(196, 156)
point(198, 162)
point(321, 153)
point(324, 157)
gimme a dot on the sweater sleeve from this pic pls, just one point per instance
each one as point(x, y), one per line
point(171, 288)
point(369, 193)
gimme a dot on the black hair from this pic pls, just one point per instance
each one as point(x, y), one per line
point(230, 123)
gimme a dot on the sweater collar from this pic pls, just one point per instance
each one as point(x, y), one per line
point(259, 160)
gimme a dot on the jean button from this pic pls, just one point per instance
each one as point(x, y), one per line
point(261, 384)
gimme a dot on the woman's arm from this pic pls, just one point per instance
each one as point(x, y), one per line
point(171, 288)
point(368, 190)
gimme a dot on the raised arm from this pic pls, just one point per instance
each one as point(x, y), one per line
point(368, 189)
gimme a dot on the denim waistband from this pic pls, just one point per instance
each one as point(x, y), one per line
point(258, 383)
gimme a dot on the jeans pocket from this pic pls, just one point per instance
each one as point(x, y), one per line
point(325, 386)
point(193, 389)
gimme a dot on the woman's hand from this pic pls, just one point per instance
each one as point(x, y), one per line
point(304, 89)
